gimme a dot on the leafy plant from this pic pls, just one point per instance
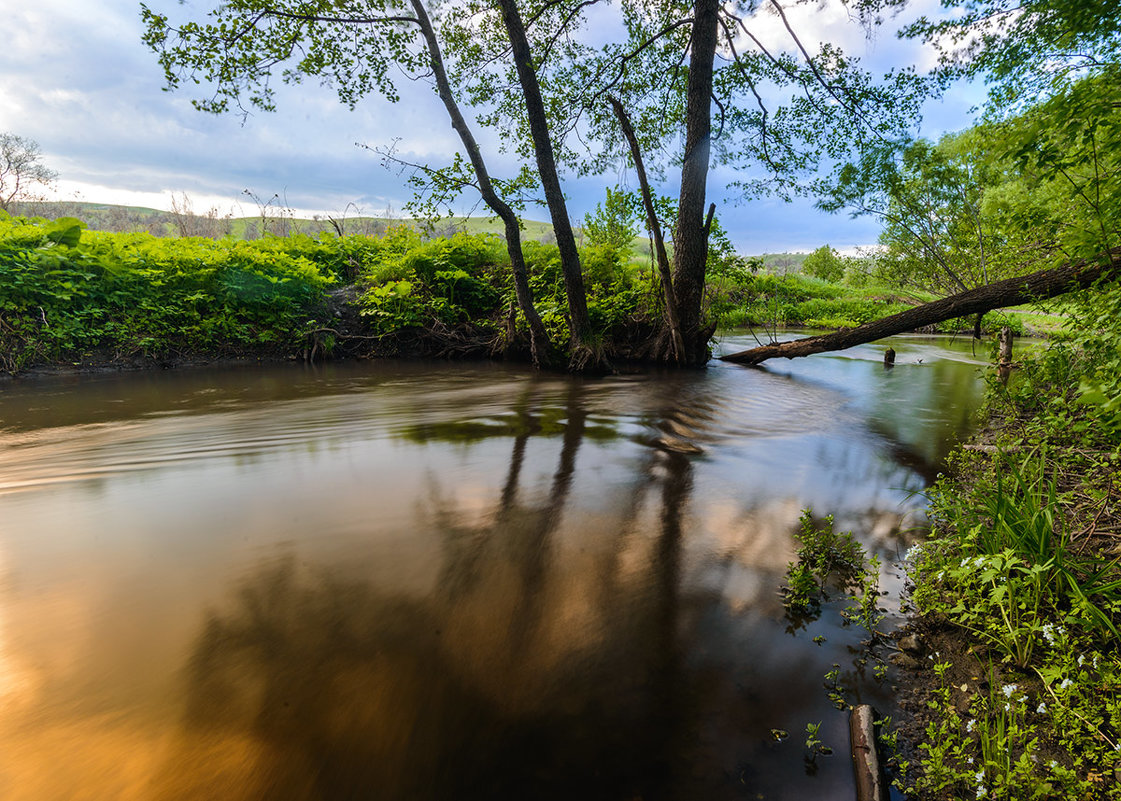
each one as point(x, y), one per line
point(814, 743)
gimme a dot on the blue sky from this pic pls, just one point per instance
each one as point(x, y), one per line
point(75, 77)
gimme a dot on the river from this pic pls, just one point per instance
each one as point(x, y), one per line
point(393, 580)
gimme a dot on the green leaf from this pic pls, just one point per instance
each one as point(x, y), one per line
point(65, 231)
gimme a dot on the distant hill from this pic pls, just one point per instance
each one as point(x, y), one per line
point(115, 218)
point(783, 263)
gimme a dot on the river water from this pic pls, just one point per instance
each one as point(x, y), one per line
point(446, 581)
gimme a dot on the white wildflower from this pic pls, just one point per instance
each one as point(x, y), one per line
point(1049, 633)
point(969, 725)
point(1008, 689)
point(1081, 660)
point(1042, 708)
point(1066, 684)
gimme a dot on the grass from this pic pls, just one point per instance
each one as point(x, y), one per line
point(1020, 586)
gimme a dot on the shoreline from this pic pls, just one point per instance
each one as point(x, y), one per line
point(1008, 669)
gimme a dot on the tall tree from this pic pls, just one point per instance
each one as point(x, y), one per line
point(350, 44)
point(703, 83)
point(547, 169)
point(690, 239)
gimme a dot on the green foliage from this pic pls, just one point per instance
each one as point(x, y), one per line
point(612, 224)
point(1016, 566)
point(1098, 347)
point(64, 293)
point(825, 558)
point(814, 743)
point(1023, 50)
point(769, 300)
point(472, 294)
point(411, 282)
point(1045, 736)
point(824, 263)
point(393, 306)
point(235, 49)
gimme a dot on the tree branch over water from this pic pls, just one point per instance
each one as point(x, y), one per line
point(1010, 292)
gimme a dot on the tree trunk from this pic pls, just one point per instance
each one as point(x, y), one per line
point(547, 168)
point(690, 240)
point(538, 337)
point(1010, 292)
point(677, 344)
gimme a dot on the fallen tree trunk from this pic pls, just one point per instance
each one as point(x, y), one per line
point(1009, 292)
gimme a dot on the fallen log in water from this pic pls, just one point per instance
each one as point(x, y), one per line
point(1009, 292)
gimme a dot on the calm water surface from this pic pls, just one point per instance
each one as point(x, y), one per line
point(398, 581)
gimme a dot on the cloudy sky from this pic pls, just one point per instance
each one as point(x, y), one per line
point(75, 77)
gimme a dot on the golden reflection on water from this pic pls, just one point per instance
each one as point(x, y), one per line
point(400, 583)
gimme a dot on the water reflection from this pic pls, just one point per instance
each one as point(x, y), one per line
point(395, 581)
point(527, 672)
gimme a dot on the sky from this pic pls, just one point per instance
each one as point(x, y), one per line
point(76, 78)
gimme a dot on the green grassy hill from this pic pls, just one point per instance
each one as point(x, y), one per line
point(117, 218)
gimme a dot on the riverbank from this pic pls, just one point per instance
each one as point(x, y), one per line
point(1011, 676)
point(72, 298)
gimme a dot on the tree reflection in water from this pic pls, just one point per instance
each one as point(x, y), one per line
point(532, 671)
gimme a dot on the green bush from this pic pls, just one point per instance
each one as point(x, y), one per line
point(64, 293)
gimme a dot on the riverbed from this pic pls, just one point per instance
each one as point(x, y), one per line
point(395, 580)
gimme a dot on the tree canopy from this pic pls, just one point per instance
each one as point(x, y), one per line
point(780, 106)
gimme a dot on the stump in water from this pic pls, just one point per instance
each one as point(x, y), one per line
point(1004, 365)
point(870, 783)
point(889, 358)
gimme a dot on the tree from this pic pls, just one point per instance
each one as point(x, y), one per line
point(824, 263)
point(350, 46)
point(22, 175)
point(1026, 50)
point(611, 225)
point(1052, 118)
point(677, 62)
point(699, 74)
point(538, 121)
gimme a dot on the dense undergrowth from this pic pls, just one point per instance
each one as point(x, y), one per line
point(73, 296)
point(68, 295)
point(1019, 591)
